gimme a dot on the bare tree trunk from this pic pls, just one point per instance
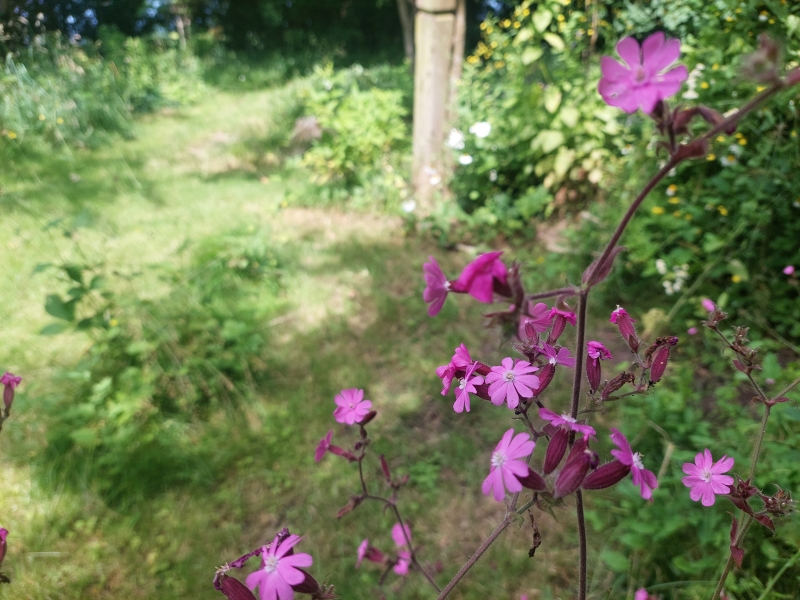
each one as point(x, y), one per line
point(181, 32)
point(459, 43)
point(406, 11)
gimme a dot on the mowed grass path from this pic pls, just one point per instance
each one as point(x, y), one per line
point(353, 318)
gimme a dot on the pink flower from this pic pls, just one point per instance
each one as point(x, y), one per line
point(10, 383)
point(466, 386)
point(351, 406)
point(567, 421)
point(362, 551)
point(404, 556)
point(538, 319)
point(596, 352)
point(461, 358)
point(446, 373)
point(561, 357)
point(643, 80)
point(641, 594)
point(323, 446)
point(507, 466)
point(692, 331)
point(568, 315)
point(788, 270)
point(511, 381)
point(436, 286)
point(708, 304)
point(645, 479)
point(705, 477)
point(623, 321)
point(279, 572)
point(478, 277)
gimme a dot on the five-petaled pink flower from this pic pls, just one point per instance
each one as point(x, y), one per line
point(351, 406)
point(466, 386)
point(705, 477)
point(538, 319)
point(643, 80)
point(478, 277)
point(645, 479)
point(507, 466)
point(567, 421)
point(323, 446)
point(279, 572)
point(404, 556)
point(561, 357)
point(461, 359)
point(436, 286)
point(511, 381)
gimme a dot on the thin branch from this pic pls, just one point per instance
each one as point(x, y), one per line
point(565, 291)
point(789, 388)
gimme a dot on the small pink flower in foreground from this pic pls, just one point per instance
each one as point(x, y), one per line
point(511, 381)
point(478, 277)
point(362, 550)
point(561, 357)
point(323, 446)
point(705, 477)
point(506, 464)
point(708, 304)
point(351, 406)
point(643, 80)
point(567, 421)
point(466, 387)
point(692, 331)
point(436, 286)
point(788, 270)
point(279, 572)
point(645, 479)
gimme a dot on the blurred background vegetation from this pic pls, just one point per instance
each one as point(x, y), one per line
point(209, 231)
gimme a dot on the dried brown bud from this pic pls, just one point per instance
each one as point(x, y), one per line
point(616, 383)
point(350, 506)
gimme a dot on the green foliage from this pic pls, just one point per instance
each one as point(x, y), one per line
point(155, 366)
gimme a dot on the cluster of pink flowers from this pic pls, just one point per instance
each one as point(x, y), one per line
point(480, 279)
point(401, 535)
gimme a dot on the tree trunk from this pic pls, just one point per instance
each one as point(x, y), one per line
point(406, 11)
point(459, 45)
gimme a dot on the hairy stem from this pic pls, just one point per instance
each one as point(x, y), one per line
point(565, 291)
point(582, 537)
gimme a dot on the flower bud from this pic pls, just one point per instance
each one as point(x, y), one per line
point(606, 476)
point(3, 536)
point(623, 321)
point(555, 450)
point(572, 475)
point(10, 383)
point(532, 481)
point(616, 383)
point(367, 418)
point(385, 468)
point(233, 588)
point(593, 373)
point(660, 359)
point(343, 453)
point(763, 66)
point(545, 375)
point(350, 506)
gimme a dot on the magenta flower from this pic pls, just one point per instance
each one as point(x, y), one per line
point(10, 383)
point(436, 286)
point(692, 331)
point(279, 572)
point(507, 466)
point(622, 319)
point(645, 479)
point(567, 421)
point(362, 551)
point(351, 406)
point(708, 304)
point(323, 446)
point(446, 373)
point(643, 80)
point(511, 381)
point(596, 352)
point(466, 386)
point(641, 594)
point(561, 357)
point(461, 358)
point(788, 270)
point(538, 319)
point(404, 556)
point(568, 315)
point(705, 477)
point(478, 277)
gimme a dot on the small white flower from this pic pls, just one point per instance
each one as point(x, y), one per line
point(435, 180)
point(455, 140)
point(481, 129)
point(492, 175)
point(668, 288)
point(727, 161)
point(661, 266)
point(735, 149)
point(690, 95)
point(762, 18)
point(465, 159)
point(408, 206)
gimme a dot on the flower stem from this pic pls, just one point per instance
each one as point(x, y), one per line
point(582, 537)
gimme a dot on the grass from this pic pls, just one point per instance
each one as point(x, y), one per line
point(349, 314)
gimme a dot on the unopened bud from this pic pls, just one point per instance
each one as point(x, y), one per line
point(555, 450)
point(367, 418)
point(3, 536)
point(545, 375)
point(660, 359)
point(606, 476)
point(572, 475)
point(532, 481)
point(593, 373)
point(233, 588)
point(343, 453)
point(616, 383)
point(10, 383)
point(350, 506)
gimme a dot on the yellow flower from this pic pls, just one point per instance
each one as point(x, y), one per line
point(483, 26)
point(560, 18)
point(711, 157)
point(671, 189)
point(590, 31)
point(677, 213)
point(674, 200)
point(517, 25)
point(743, 142)
point(12, 135)
point(704, 85)
point(722, 210)
point(794, 133)
point(714, 67)
point(60, 121)
point(489, 29)
point(761, 88)
point(42, 117)
point(658, 210)
point(687, 216)
point(113, 322)
point(499, 64)
point(493, 44)
point(720, 138)
point(506, 23)
point(771, 21)
point(736, 279)
point(526, 12)
point(540, 260)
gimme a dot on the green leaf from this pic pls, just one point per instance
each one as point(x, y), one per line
point(41, 267)
point(85, 437)
point(59, 309)
point(74, 272)
point(555, 41)
point(615, 560)
point(547, 140)
point(98, 281)
point(569, 116)
point(552, 99)
point(564, 160)
point(531, 54)
point(541, 19)
point(523, 36)
point(52, 329)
